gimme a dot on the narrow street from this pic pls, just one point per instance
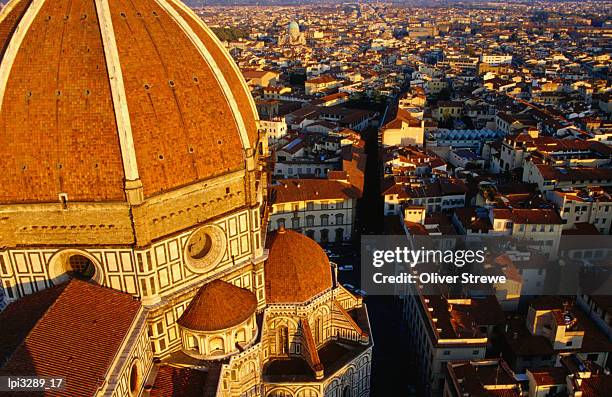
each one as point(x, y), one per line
point(391, 373)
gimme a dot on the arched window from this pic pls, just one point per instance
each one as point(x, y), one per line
point(324, 220)
point(339, 235)
point(240, 336)
point(310, 219)
point(346, 392)
point(283, 340)
point(318, 330)
point(307, 393)
point(280, 393)
point(280, 222)
point(324, 236)
point(81, 267)
point(216, 346)
point(339, 219)
point(193, 343)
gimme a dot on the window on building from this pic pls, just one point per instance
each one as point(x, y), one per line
point(324, 236)
point(339, 219)
point(80, 267)
point(280, 222)
point(324, 220)
point(310, 220)
point(339, 235)
point(283, 339)
point(310, 206)
point(134, 379)
point(295, 223)
point(324, 205)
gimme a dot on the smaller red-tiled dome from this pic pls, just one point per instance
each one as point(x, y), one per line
point(297, 268)
point(218, 305)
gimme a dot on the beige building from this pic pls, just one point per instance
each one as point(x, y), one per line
point(591, 205)
point(443, 329)
point(322, 209)
point(320, 84)
point(403, 130)
point(133, 221)
point(260, 78)
point(541, 228)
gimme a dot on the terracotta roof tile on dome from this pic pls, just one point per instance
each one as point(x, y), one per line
point(297, 268)
point(189, 111)
point(73, 330)
point(227, 66)
point(218, 305)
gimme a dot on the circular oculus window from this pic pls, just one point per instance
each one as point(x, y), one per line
point(205, 248)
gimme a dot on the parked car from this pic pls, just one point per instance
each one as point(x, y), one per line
point(344, 268)
point(349, 287)
point(333, 256)
point(361, 292)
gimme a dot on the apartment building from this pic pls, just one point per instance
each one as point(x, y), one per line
point(321, 84)
point(274, 129)
point(480, 378)
point(495, 59)
point(592, 205)
point(541, 227)
point(443, 329)
point(437, 194)
point(322, 209)
point(553, 328)
point(549, 177)
point(403, 130)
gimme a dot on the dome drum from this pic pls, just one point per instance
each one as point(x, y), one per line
point(219, 320)
point(219, 344)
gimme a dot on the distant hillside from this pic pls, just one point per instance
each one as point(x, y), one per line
point(230, 34)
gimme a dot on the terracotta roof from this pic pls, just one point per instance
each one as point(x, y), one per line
point(568, 174)
point(218, 305)
point(74, 330)
point(14, 332)
point(297, 268)
point(312, 189)
point(179, 382)
point(549, 376)
point(597, 385)
point(532, 216)
point(58, 117)
point(321, 80)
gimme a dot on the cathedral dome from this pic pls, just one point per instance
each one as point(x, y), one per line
point(218, 305)
point(293, 29)
point(297, 268)
point(98, 96)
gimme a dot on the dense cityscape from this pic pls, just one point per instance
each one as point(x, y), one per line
point(190, 195)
